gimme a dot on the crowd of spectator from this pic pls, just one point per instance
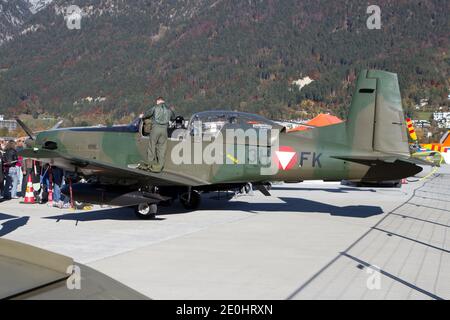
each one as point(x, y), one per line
point(16, 172)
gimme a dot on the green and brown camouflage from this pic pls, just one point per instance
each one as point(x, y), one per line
point(371, 145)
point(30, 273)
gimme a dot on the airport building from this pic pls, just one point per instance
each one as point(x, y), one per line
point(443, 119)
point(11, 125)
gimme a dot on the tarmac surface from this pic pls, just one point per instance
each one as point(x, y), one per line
point(312, 240)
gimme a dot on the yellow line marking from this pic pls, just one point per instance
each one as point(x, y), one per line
point(235, 161)
point(436, 168)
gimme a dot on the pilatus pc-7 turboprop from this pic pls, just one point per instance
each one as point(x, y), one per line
point(371, 146)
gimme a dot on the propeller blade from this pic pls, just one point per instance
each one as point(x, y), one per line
point(26, 129)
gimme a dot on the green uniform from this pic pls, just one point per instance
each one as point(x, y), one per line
point(160, 116)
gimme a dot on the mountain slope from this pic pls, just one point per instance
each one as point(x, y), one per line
point(13, 14)
point(38, 5)
point(221, 54)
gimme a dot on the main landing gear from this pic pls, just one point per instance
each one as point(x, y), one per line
point(189, 200)
point(146, 211)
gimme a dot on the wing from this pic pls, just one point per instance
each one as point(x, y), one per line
point(90, 167)
point(26, 268)
point(32, 273)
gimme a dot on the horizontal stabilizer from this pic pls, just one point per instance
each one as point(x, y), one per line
point(386, 168)
point(368, 160)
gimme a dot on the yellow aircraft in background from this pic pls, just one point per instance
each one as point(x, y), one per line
point(437, 153)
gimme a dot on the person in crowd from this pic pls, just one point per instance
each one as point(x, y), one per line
point(43, 195)
point(2, 177)
point(33, 168)
point(2, 172)
point(54, 177)
point(10, 159)
point(58, 179)
point(19, 147)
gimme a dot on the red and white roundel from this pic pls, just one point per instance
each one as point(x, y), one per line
point(286, 158)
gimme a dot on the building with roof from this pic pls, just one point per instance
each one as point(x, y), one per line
point(321, 120)
point(11, 125)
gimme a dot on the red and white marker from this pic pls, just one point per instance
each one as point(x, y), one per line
point(286, 158)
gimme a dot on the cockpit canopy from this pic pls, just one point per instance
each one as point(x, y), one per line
point(213, 122)
point(210, 123)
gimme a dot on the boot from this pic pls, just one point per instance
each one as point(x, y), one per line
point(156, 168)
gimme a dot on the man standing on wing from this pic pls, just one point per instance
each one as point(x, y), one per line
point(160, 116)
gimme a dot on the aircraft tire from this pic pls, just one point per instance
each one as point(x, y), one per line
point(146, 211)
point(194, 202)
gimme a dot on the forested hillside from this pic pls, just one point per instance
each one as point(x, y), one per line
point(229, 54)
point(12, 16)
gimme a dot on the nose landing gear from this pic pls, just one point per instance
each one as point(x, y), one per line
point(191, 200)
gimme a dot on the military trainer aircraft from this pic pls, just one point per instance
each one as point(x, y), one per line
point(372, 145)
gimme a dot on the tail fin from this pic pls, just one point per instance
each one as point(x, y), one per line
point(445, 141)
point(376, 118)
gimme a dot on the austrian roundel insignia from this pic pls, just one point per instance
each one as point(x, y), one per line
point(286, 158)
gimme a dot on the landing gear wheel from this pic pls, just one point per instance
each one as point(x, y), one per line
point(191, 201)
point(146, 211)
point(248, 188)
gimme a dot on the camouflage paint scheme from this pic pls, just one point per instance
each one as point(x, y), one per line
point(372, 145)
point(37, 274)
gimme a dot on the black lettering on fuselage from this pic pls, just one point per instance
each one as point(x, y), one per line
point(315, 161)
point(304, 157)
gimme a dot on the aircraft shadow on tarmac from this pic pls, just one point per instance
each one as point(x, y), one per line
point(332, 190)
point(122, 214)
point(12, 224)
point(223, 205)
point(4, 216)
point(296, 205)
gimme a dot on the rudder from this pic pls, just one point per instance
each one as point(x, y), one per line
point(376, 117)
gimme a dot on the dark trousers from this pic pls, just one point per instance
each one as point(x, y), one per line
point(2, 185)
point(157, 146)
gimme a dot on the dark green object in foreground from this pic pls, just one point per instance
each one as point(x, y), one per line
point(28, 272)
